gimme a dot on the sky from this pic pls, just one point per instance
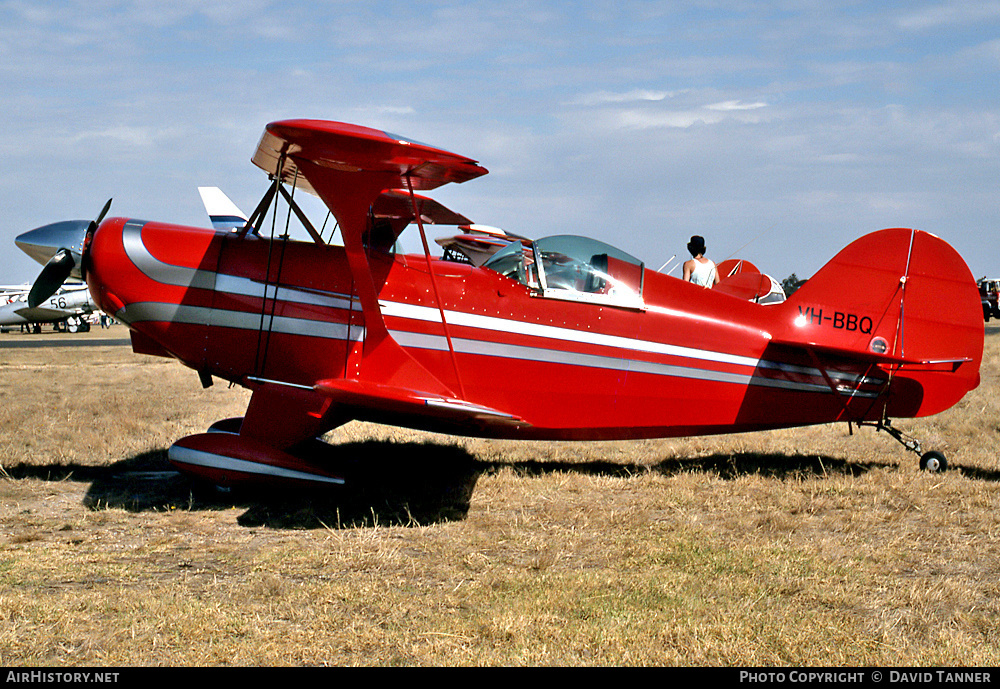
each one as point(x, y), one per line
point(780, 131)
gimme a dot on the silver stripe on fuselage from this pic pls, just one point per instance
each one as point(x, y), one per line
point(812, 371)
point(524, 353)
point(182, 276)
point(230, 284)
point(504, 325)
point(140, 311)
point(154, 268)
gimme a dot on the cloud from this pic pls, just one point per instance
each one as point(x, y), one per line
point(950, 14)
point(638, 109)
point(376, 110)
point(635, 95)
point(730, 105)
point(132, 137)
point(636, 119)
point(715, 113)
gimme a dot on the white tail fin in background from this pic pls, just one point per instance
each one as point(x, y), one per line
point(223, 213)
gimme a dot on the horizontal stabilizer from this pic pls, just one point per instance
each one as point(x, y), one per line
point(40, 314)
point(875, 357)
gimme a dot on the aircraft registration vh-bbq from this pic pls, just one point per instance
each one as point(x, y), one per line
point(562, 337)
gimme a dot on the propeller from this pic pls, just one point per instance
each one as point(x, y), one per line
point(66, 240)
point(52, 277)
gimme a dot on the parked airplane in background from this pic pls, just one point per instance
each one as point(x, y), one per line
point(223, 213)
point(560, 337)
point(70, 304)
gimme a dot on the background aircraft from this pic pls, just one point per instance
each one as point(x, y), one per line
point(70, 304)
point(224, 214)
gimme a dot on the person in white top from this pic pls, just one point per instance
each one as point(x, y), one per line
point(700, 270)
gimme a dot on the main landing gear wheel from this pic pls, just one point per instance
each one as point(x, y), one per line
point(933, 462)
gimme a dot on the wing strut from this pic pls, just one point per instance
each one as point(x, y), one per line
point(301, 216)
point(437, 295)
point(257, 217)
point(260, 361)
point(350, 196)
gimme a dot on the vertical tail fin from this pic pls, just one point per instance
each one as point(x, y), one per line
point(221, 210)
point(906, 299)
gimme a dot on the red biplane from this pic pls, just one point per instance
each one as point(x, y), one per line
point(560, 337)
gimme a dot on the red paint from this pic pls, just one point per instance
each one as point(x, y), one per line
point(891, 326)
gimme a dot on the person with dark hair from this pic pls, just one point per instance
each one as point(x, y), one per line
point(700, 270)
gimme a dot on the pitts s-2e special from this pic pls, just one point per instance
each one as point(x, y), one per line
point(503, 336)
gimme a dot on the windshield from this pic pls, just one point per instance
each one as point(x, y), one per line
point(515, 261)
point(574, 268)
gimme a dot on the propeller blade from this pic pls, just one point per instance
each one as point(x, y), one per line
point(104, 212)
point(51, 278)
point(90, 230)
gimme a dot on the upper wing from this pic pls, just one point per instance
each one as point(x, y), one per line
point(351, 148)
point(393, 204)
point(349, 167)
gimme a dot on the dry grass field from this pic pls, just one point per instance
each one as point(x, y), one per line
point(798, 547)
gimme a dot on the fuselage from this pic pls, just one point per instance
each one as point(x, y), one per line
point(687, 361)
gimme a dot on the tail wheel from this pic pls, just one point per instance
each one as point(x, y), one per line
point(933, 462)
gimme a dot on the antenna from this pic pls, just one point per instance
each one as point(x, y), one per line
point(754, 239)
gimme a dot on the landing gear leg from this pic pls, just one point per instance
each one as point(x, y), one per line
point(932, 461)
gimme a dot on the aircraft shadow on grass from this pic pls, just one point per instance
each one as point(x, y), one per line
point(398, 484)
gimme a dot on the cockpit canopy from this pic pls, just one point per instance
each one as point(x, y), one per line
point(573, 268)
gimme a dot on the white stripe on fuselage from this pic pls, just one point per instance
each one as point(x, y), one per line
point(170, 274)
point(551, 332)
